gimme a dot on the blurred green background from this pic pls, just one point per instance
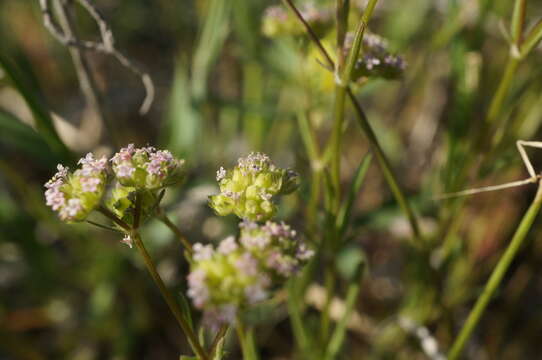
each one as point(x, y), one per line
point(223, 89)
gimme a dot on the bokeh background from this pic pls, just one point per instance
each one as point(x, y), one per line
point(224, 89)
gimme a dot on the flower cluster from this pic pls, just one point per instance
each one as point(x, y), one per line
point(376, 59)
point(240, 274)
point(75, 195)
point(277, 21)
point(146, 168)
point(249, 188)
point(142, 170)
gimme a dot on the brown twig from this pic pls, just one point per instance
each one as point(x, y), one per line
point(106, 46)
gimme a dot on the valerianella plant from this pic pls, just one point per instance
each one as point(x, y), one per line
point(248, 189)
point(236, 275)
point(74, 195)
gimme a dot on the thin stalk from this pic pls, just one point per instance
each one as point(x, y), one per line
point(218, 338)
point(367, 129)
point(246, 340)
point(341, 88)
point(107, 213)
point(325, 319)
point(168, 297)
point(504, 86)
point(166, 221)
point(387, 170)
point(497, 275)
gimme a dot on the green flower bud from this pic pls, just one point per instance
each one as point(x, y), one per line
point(248, 189)
point(75, 195)
point(121, 202)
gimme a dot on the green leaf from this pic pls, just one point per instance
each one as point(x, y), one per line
point(182, 119)
point(353, 262)
point(210, 42)
point(185, 307)
point(345, 212)
point(186, 357)
point(532, 39)
point(21, 137)
point(27, 85)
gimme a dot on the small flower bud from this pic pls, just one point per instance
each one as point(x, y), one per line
point(75, 195)
point(147, 168)
point(249, 188)
point(376, 59)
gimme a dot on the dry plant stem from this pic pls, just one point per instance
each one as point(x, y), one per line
point(166, 221)
point(367, 129)
point(106, 46)
point(170, 300)
point(497, 275)
point(82, 67)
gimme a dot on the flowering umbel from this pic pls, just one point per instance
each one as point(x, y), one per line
point(249, 188)
point(74, 195)
point(147, 168)
point(236, 275)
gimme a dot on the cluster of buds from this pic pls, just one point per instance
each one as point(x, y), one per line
point(146, 168)
point(142, 170)
point(75, 195)
point(277, 21)
point(376, 59)
point(249, 188)
point(236, 275)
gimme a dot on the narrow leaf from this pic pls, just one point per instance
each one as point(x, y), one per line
point(345, 211)
point(26, 85)
point(532, 39)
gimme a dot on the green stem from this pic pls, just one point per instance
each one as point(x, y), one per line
point(497, 276)
point(504, 86)
point(246, 340)
point(168, 297)
point(325, 319)
point(387, 170)
point(366, 127)
point(166, 221)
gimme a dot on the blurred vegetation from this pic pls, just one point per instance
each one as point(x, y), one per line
point(223, 89)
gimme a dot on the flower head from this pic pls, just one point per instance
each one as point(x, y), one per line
point(237, 275)
point(75, 195)
point(248, 189)
point(146, 167)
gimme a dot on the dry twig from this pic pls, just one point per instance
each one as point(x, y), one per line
point(106, 46)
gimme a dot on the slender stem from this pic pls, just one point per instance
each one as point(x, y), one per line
point(387, 170)
point(219, 336)
point(164, 219)
point(497, 275)
point(107, 213)
point(168, 297)
point(504, 86)
point(325, 320)
point(381, 157)
point(336, 137)
point(246, 340)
